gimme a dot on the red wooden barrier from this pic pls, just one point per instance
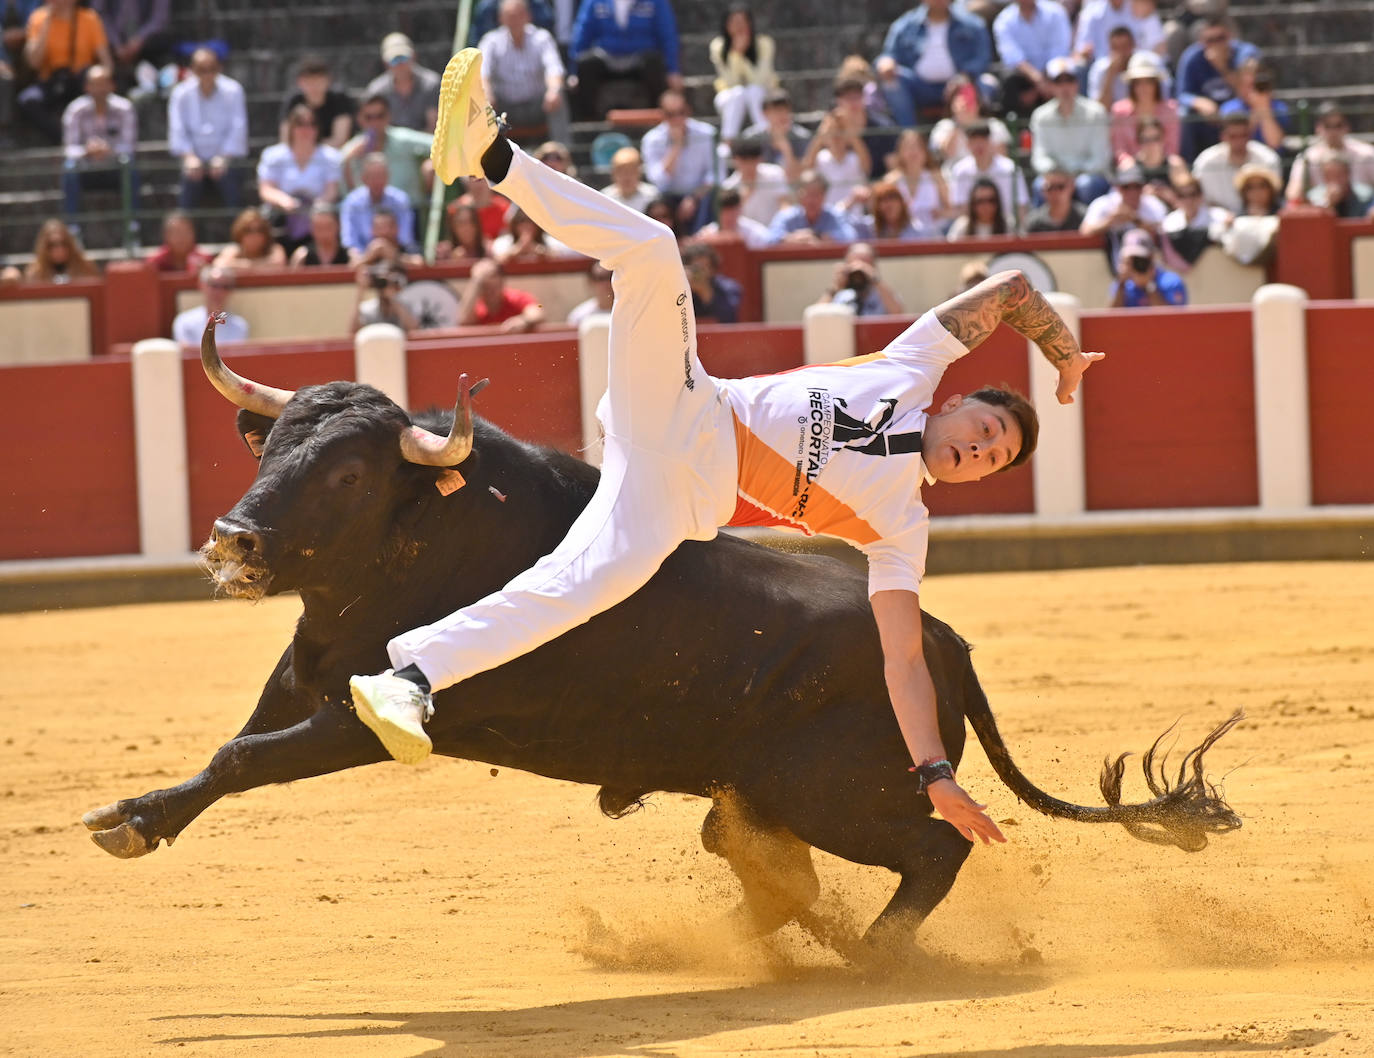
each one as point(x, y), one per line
point(1171, 421)
point(744, 349)
point(68, 482)
point(1340, 381)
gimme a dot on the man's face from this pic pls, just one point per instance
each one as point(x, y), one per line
point(178, 234)
point(1333, 130)
point(515, 17)
point(968, 440)
point(216, 288)
point(748, 168)
point(1337, 179)
point(811, 197)
point(675, 112)
point(778, 115)
point(205, 67)
point(1235, 137)
point(373, 118)
point(375, 177)
point(99, 84)
point(981, 149)
point(1066, 88)
point(313, 86)
point(627, 173)
point(1121, 45)
point(1131, 194)
point(384, 227)
point(850, 102)
point(1216, 46)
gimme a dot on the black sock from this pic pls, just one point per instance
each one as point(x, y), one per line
point(412, 673)
point(496, 160)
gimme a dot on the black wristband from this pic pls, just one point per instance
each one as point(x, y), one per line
point(932, 771)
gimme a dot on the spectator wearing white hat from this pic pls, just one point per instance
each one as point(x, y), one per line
point(1147, 96)
point(1140, 281)
point(411, 89)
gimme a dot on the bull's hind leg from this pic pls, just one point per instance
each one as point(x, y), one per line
point(773, 866)
point(930, 866)
point(331, 740)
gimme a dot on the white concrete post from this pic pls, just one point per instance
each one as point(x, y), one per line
point(164, 491)
point(827, 334)
point(593, 372)
point(379, 359)
point(1281, 418)
point(1058, 465)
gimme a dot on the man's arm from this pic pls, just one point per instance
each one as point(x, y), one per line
point(1009, 298)
point(898, 614)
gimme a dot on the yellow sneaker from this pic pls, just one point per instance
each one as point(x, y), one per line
point(395, 709)
point(467, 125)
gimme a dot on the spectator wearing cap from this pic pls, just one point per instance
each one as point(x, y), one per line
point(983, 162)
point(1146, 97)
point(731, 223)
point(375, 193)
point(61, 40)
point(523, 73)
point(407, 150)
point(1128, 205)
point(331, 109)
point(1029, 33)
point(1070, 133)
point(627, 180)
point(743, 61)
point(216, 286)
point(680, 157)
point(1207, 79)
point(923, 49)
point(207, 131)
point(1060, 211)
point(377, 296)
point(784, 141)
point(1270, 118)
point(411, 90)
point(1140, 281)
point(1333, 137)
point(763, 187)
point(1217, 166)
point(99, 137)
point(178, 252)
point(858, 284)
point(486, 16)
point(633, 44)
point(715, 298)
point(1338, 192)
point(810, 220)
point(1099, 19)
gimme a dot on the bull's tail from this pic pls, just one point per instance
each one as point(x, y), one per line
point(1182, 812)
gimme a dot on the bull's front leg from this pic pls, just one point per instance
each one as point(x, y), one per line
point(330, 740)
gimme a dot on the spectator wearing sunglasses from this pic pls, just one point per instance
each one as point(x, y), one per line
point(1207, 79)
point(216, 286)
point(1060, 210)
point(1333, 137)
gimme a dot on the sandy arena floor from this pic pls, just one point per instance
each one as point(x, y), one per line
point(446, 910)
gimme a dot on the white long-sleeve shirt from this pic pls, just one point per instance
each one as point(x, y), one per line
point(207, 126)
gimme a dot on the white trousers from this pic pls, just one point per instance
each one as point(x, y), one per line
point(668, 471)
point(735, 103)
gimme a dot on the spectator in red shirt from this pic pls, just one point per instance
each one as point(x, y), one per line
point(490, 206)
point(178, 252)
point(487, 300)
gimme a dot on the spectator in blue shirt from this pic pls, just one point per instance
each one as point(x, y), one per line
point(1140, 280)
point(715, 298)
point(355, 214)
point(923, 49)
point(1029, 33)
point(207, 130)
point(632, 43)
point(1270, 119)
point(810, 220)
point(1206, 76)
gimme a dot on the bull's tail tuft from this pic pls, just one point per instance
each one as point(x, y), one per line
point(1184, 811)
point(616, 803)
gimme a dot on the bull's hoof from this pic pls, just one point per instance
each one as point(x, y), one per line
point(103, 818)
point(124, 841)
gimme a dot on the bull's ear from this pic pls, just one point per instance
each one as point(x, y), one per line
point(254, 428)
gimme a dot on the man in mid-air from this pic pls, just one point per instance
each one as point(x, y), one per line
point(839, 450)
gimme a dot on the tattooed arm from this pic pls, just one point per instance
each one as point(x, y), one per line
point(1009, 298)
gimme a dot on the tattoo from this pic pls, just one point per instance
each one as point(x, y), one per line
point(1007, 297)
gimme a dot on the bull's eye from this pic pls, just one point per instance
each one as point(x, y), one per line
point(350, 479)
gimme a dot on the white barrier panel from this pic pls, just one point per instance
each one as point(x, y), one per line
point(1281, 415)
point(827, 334)
point(1060, 481)
point(164, 494)
point(593, 371)
point(379, 359)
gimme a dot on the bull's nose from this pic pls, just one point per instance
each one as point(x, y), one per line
point(244, 541)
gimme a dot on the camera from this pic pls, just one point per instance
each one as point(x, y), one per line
point(858, 280)
point(379, 277)
point(1138, 263)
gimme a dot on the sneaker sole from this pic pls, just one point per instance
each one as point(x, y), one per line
point(404, 747)
point(454, 92)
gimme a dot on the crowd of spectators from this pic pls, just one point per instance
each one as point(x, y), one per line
point(975, 119)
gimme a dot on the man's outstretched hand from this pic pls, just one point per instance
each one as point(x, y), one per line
point(961, 811)
point(1071, 371)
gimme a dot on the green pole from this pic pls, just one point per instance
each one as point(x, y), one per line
point(436, 195)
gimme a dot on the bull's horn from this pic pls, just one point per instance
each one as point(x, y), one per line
point(427, 449)
point(262, 399)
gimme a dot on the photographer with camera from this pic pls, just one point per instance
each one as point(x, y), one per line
point(1140, 281)
point(858, 285)
point(377, 301)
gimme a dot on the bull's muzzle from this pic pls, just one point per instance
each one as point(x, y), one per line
point(234, 557)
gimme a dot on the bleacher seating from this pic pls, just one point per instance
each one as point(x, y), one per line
point(1322, 49)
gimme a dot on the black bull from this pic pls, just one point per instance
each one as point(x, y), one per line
point(739, 673)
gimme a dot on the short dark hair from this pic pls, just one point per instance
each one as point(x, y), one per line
point(1021, 410)
point(694, 250)
point(729, 198)
point(747, 147)
point(378, 99)
point(1121, 31)
point(312, 66)
point(777, 98)
point(845, 85)
point(1235, 117)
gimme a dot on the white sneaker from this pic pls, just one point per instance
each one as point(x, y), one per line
point(395, 709)
point(467, 125)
